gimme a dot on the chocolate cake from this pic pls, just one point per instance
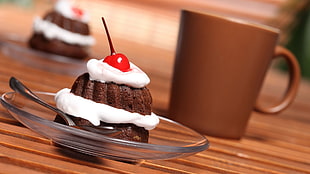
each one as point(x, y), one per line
point(131, 99)
point(63, 32)
point(112, 93)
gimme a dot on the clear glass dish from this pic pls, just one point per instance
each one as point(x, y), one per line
point(42, 60)
point(168, 140)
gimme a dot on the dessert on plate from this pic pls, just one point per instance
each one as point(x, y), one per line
point(63, 31)
point(112, 93)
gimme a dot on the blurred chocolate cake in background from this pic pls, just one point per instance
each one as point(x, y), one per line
point(63, 31)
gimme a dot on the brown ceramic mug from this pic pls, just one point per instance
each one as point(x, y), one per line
point(219, 70)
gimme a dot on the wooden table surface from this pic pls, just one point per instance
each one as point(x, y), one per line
point(272, 144)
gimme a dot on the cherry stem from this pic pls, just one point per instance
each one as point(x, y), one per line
point(109, 38)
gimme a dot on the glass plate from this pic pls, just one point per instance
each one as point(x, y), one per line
point(168, 140)
point(43, 60)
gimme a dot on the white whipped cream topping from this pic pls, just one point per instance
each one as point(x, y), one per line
point(103, 72)
point(64, 7)
point(53, 31)
point(94, 112)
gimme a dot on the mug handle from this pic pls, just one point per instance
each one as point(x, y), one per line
point(294, 78)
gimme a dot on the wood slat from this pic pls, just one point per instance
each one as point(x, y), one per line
point(55, 159)
point(44, 164)
point(6, 167)
point(255, 161)
point(276, 150)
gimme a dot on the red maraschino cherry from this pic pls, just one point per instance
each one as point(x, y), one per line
point(117, 60)
point(78, 12)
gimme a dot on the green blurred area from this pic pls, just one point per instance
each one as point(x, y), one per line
point(23, 3)
point(299, 41)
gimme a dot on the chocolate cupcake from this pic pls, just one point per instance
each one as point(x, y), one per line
point(113, 92)
point(63, 31)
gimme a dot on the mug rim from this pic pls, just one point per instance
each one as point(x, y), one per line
point(233, 19)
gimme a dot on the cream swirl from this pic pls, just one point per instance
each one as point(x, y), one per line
point(103, 72)
point(94, 112)
point(65, 8)
point(52, 31)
